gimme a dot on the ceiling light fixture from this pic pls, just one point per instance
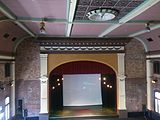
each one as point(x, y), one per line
point(102, 14)
point(42, 28)
point(147, 25)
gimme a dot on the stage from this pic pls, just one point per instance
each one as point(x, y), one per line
point(84, 112)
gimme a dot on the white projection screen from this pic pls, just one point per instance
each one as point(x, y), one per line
point(82, 90)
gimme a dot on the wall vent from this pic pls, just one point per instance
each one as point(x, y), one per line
point(6, 35)
point(149, 39)
point(14, 39)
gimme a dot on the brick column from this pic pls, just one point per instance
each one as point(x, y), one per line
point(121, 93)
point(44, 88)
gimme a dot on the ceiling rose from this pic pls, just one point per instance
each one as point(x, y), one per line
point(102, 14)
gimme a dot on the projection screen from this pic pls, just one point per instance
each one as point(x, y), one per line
point(82, 90)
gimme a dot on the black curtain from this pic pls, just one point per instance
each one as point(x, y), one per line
point(56, 93)
point(108, 90)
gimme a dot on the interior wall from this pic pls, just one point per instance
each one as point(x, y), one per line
point(55, 60)
point(28, 72)
point(135, 67)
point(6, 92)
point(27, 65)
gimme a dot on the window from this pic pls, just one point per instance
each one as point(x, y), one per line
point(157, 102)
point(1, 113)
point(156, 67)
point(7, 109)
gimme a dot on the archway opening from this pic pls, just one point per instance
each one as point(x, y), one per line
point(103, 75)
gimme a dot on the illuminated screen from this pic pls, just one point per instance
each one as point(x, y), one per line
point(82, 90)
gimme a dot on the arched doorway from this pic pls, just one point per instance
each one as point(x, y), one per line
point(107, 80)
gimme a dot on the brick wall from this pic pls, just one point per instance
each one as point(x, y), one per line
point(4, 80)
point(136, 76)
point(29, 92)
point(135, 60)
point(27, 76)
point(27, 61)
point(135, 94)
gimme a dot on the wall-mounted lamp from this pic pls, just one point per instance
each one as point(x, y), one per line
point(3, 84)
point(11, 83)
point(154, 81)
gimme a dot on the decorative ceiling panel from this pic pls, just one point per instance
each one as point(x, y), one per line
point(127, 29)
point(55, 29)
point(110, 3)
point(150, 14)
point(124, 7)
point(38, 8)
point(84, 2)
point(97, 2)
point(87, 29)
point(122, 3)
point(135, 3)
